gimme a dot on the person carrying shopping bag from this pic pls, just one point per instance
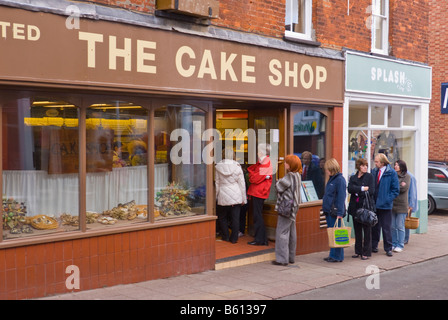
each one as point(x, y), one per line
point(288, 190)
point(333, 203)
point(360, 185)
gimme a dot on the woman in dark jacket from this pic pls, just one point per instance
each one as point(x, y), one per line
point(333, 203)
point(358, 184)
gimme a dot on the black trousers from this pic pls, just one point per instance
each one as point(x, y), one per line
point(259, 228)
point(363, 239)
point(228, 214)
point(383, 226)
point(243, 217)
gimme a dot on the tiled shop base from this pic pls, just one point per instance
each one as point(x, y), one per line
point(237, 254)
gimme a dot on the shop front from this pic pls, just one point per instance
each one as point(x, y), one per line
point(386, 110)
point(108, 138)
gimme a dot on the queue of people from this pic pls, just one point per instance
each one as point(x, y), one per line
point(391, 190)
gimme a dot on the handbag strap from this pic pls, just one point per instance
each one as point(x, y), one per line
point(367, 200)
point(336, 223)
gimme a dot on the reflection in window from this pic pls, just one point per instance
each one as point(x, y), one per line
point(116, 164)
point(179, 177)
point(40, 165)
point(396, 138)
point(309, 144)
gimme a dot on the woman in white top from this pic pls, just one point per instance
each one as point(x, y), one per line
point(230, 194)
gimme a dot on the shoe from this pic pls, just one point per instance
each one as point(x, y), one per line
point(375, 250)
point(332, 260)
point(397, 249)
point(364, 258)
point(279, 264)
point(355, 256)
point(255, 243)
point(240, 234)
point(389, 253)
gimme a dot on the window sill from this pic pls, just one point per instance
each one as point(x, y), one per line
point(74, 235)
point(302, 41)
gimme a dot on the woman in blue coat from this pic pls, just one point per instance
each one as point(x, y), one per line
point(333, 203)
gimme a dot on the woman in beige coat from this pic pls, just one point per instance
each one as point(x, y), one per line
point(230, 195)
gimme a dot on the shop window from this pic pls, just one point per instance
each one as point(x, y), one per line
point(298, 19)
point(378, 114)
point(380, 26)
point(40, 166)
point(358, 116)
point(391, 131)
point(409, 117)
point(180, 173)
point(310, 145)
point(116, 164)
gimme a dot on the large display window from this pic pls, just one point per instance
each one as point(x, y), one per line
point(388, 129)
point(81, 162)
point(116, 163)
point(40, 184)
point(309, 143)
point(180, 172)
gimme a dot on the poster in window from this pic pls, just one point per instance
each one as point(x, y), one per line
point(309, 190)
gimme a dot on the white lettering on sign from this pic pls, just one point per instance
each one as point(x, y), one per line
point(125, 52)
point(186, 65)
point(390, 76)
point(292, 75)
point(19, 31)
point(445, 100)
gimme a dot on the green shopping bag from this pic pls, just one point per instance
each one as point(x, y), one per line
point(339, 237)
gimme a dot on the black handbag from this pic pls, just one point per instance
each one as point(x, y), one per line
point(366, 214)
point(285, 207)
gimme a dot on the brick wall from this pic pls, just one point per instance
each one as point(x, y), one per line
point(438, 59)
point(260, 17)
point(409, 29)
point(336, 25)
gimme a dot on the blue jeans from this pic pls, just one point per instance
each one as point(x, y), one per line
point(407, 233)
point(398, 230)
point(335, 253)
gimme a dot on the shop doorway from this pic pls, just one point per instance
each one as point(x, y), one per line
point(240, 127)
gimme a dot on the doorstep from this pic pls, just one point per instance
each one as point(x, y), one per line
point(245, 259)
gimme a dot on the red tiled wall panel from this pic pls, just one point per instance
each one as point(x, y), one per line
point(40, 270)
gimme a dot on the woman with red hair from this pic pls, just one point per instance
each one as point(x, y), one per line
point(288, 188)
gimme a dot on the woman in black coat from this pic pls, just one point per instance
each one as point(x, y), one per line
point(360, 182)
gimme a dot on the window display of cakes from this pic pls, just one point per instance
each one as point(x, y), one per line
point(16, 223)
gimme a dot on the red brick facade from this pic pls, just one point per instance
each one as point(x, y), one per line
point(438, 59)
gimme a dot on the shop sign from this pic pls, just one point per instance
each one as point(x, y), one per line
point(444, 95)
point(40, 47)
point(368, 74)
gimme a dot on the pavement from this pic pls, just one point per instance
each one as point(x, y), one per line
point(265, 281)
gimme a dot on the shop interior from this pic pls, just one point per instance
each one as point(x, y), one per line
point(233, 125)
